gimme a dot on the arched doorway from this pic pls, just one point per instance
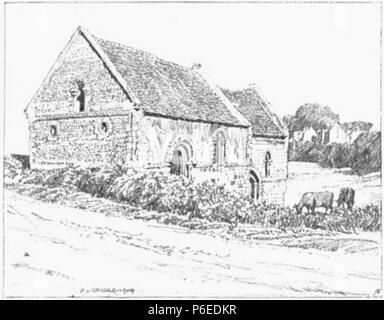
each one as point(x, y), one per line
point(179, 161)
point(254, 185)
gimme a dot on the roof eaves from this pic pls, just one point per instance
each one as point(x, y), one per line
point(65, 116)
point(267, 135)
point(160, 115)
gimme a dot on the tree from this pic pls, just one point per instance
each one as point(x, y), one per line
point(313, 115)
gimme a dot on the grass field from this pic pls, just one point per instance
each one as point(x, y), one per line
point(306, 176)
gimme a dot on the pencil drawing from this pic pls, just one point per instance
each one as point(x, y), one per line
point(145, 178)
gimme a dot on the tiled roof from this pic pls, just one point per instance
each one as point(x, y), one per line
point(252, 106)
point(167, 89)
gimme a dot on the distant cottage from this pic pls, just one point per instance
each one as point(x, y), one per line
point(336, 133)
point(354, 129)
point(104, 102)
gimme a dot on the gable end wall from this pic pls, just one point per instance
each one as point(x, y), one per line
point(79, 62)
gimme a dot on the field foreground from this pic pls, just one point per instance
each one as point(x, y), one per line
point(53, 250)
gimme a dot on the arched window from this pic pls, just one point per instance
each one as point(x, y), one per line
point(268, 164)
point(219, 151)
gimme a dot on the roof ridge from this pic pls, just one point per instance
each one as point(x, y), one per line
point(143, 52)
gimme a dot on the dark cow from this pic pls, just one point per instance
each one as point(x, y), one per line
point(311, 200)
point(346, 197)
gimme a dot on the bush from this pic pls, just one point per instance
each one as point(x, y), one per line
point(12, 167)
point(150, 190)
point(307, 151)
point(154, 190)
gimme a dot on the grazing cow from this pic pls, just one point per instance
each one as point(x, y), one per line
point(346, 197)
point(311, 200)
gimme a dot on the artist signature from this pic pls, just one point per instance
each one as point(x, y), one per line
point(115, 291)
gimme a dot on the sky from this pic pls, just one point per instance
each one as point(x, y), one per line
point(294, 53)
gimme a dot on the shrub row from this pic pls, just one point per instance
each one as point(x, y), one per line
point(154, 190)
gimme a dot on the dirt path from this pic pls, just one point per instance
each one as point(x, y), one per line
point(59, 251)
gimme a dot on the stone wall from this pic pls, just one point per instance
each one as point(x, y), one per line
point(160, 136)
point(81, 141)
point(79, 138)
point(148, 142)
point(273, 187)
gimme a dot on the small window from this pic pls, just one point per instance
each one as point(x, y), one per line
point(104, 127)
point(78, 96)
point(81, 99)
point(268, 160)
point(53, 131)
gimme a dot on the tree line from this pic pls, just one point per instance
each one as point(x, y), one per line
point(363, 155)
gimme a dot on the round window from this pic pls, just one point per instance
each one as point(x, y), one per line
point(103, 127)
point(53, 131)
